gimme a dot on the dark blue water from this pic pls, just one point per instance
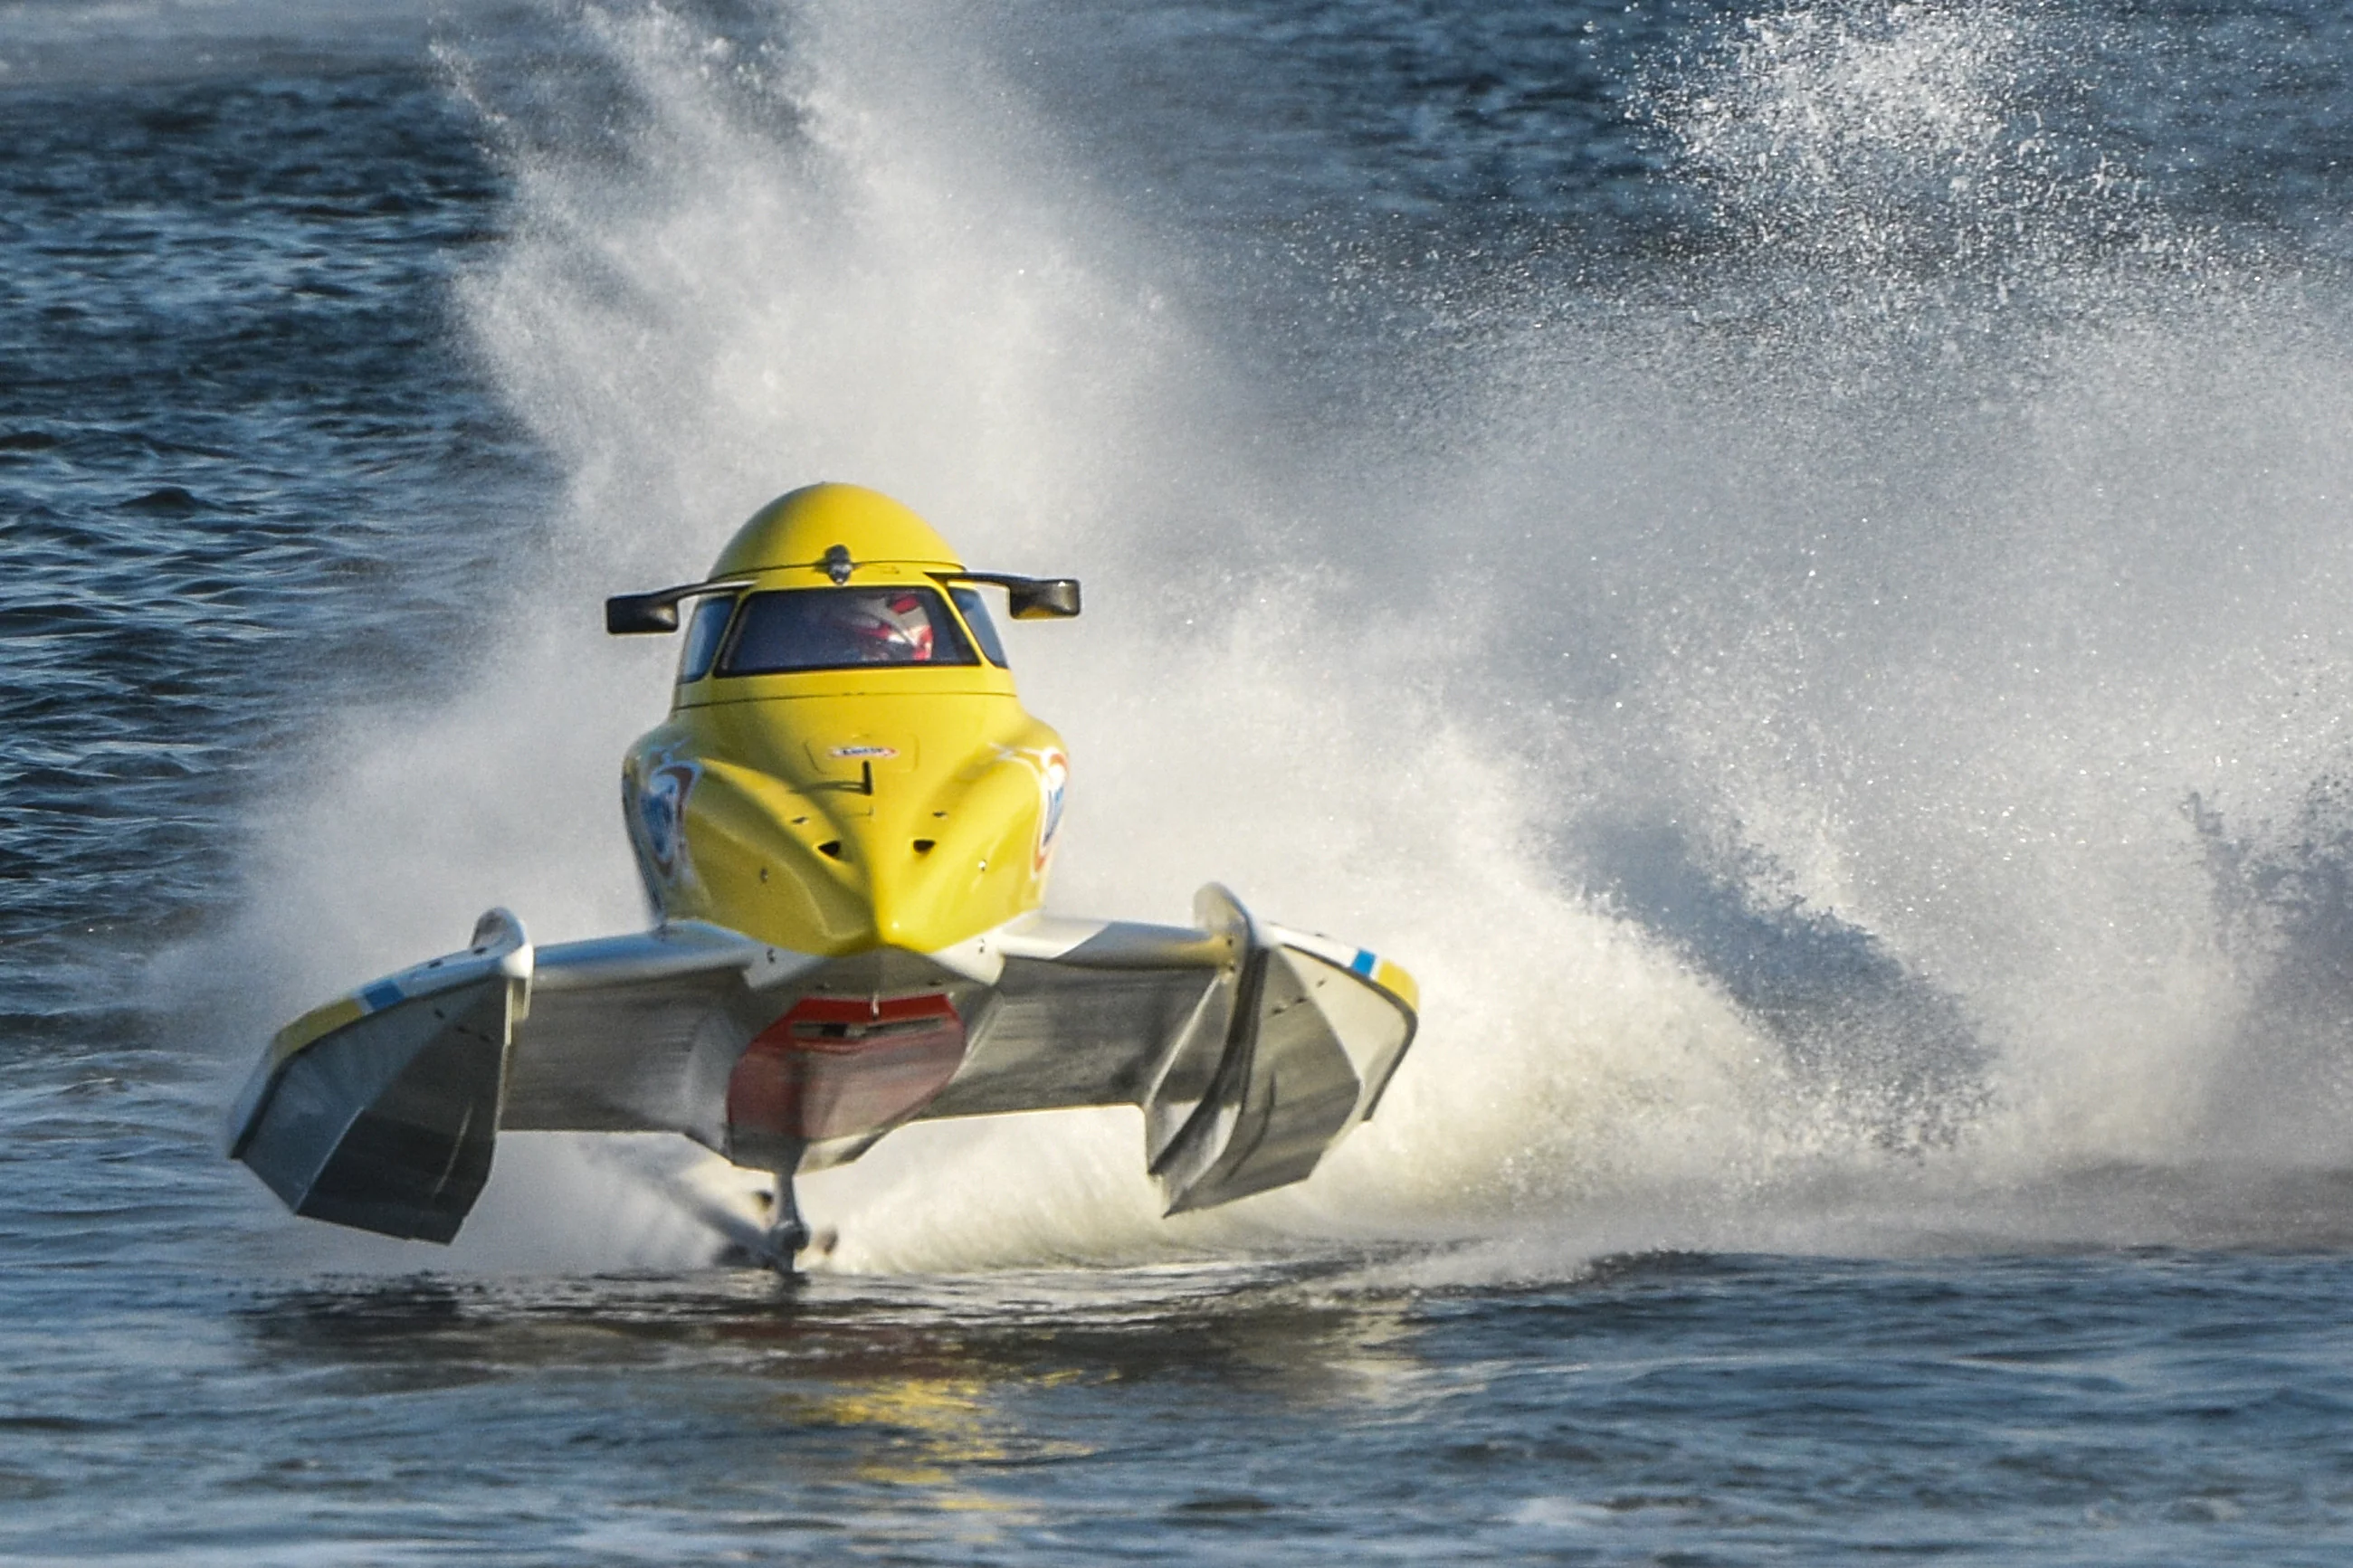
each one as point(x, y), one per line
point(2112, 1408)
point(1788, 560)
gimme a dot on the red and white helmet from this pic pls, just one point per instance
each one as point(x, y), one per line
point(893, 629)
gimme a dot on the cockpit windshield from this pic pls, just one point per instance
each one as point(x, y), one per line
point(970, 606)
point(703, 635)
point(843, 628)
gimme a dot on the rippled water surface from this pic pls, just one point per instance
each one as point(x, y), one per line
point(1788, 560)
point(1703, 1409)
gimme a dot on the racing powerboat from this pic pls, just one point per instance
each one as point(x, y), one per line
point(845, 828)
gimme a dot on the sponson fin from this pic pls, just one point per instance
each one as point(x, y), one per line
point(381, 1111)
point(1314, 1031)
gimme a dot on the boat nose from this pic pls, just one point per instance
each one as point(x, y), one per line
point(907, 873)
point(937, 865)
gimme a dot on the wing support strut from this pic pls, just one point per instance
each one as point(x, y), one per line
point(1250, 1049)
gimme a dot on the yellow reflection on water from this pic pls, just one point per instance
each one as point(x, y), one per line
point(932, 1432)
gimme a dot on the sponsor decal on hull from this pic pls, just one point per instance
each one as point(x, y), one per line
point(1053, 783)
point(661, 817)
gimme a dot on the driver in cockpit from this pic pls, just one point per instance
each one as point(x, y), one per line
point(880, 627)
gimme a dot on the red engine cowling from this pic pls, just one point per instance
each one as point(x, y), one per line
point(839, 1067)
